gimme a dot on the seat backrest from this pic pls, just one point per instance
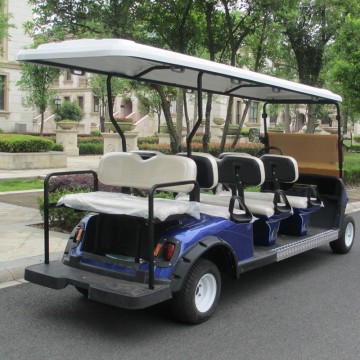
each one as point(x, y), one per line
point(146, 154)
point(207, 169)
point(130, 170)
point(241, 167)
point(280, 168)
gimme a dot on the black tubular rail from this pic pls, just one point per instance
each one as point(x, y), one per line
point(48, 205)
point(151, 219)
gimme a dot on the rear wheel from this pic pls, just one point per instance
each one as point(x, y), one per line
point(197, 300)
point(347, 236)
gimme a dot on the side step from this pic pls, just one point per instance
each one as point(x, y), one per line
point(104, 289)
point(298, 247)
point(286, 248)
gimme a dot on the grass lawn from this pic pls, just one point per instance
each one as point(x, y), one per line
point(352, 168)
point(21, 184)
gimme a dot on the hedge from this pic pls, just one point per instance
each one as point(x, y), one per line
point(90, 148)
point(24, 143)
point(214, 148)
point(65, 218)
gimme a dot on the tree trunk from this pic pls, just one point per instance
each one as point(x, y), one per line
point(243, 116)
point(42, 123)
point(179, 113)
point(311, 119)
point(345, 120)
point(165, 104)
point(227, 122)
point(206, 137)
point(186, 113)
point(287, 118)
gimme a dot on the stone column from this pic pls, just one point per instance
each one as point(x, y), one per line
point(113, 143)
point(68, 139)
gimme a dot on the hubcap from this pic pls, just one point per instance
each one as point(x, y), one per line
point(349, 234)
point(205, 293)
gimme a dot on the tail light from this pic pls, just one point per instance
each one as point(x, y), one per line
point(169, 250)
point(78, 234)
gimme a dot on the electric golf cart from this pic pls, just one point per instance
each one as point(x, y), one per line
point(135, 251)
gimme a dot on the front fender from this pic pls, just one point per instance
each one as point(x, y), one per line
point(189, 258)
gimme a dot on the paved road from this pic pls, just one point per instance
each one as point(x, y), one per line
point(306, 307)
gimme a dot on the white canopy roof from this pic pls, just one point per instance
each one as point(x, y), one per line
point(131, 60)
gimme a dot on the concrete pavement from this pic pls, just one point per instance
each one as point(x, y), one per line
point(21, 245)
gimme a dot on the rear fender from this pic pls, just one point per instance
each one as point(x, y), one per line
point(211, 248)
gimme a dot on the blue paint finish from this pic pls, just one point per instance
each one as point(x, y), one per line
point(189, 232)
point(238, 236)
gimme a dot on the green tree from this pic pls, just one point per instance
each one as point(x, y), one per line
point(4, 21)
point(98, 87)
point(86, 18)
point(37, 81)
point(344, 68)
point(309, 26)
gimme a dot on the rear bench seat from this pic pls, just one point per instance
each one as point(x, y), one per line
point(130, 170)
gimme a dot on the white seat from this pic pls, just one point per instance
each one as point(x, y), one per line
point(299, 202)
point(130, 170)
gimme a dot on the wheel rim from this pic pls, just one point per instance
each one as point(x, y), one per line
point(205, 293)
point(349, 234)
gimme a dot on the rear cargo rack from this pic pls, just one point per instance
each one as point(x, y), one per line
point(194, 195)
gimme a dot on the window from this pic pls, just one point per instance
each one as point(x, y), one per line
point(66, 98)
point(253, 112)
point(68, 75)
point(96, 104)
point(3, 92)
point(81, 101)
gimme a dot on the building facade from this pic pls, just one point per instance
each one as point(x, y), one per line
point(13, 116)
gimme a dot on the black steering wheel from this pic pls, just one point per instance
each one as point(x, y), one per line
point(265, 150)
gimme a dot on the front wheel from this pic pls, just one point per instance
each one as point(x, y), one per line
point(197, 300)
point(347, 236)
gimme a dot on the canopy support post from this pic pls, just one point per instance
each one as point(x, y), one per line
point(200, 114)
point(264, 116)
point(340, 141)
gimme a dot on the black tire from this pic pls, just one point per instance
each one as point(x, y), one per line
point(347, 236)
point(197, 300)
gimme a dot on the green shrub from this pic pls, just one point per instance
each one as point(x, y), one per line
point(1, 131)
point(164, 148)
point(90, 140)
point(68, 110)
point(24, 143)
point(352, 175)
point(88, 148)
point(65, 218)
point(61, 217)
point(95, 132)
point(214, 149)
point(355, 147)
point(148, 139)
point(357, 139)
point(245, 131)
point(57, 147)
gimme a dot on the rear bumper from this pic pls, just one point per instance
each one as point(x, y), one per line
point(104, 289)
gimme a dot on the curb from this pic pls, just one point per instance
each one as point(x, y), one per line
point(14, 270)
